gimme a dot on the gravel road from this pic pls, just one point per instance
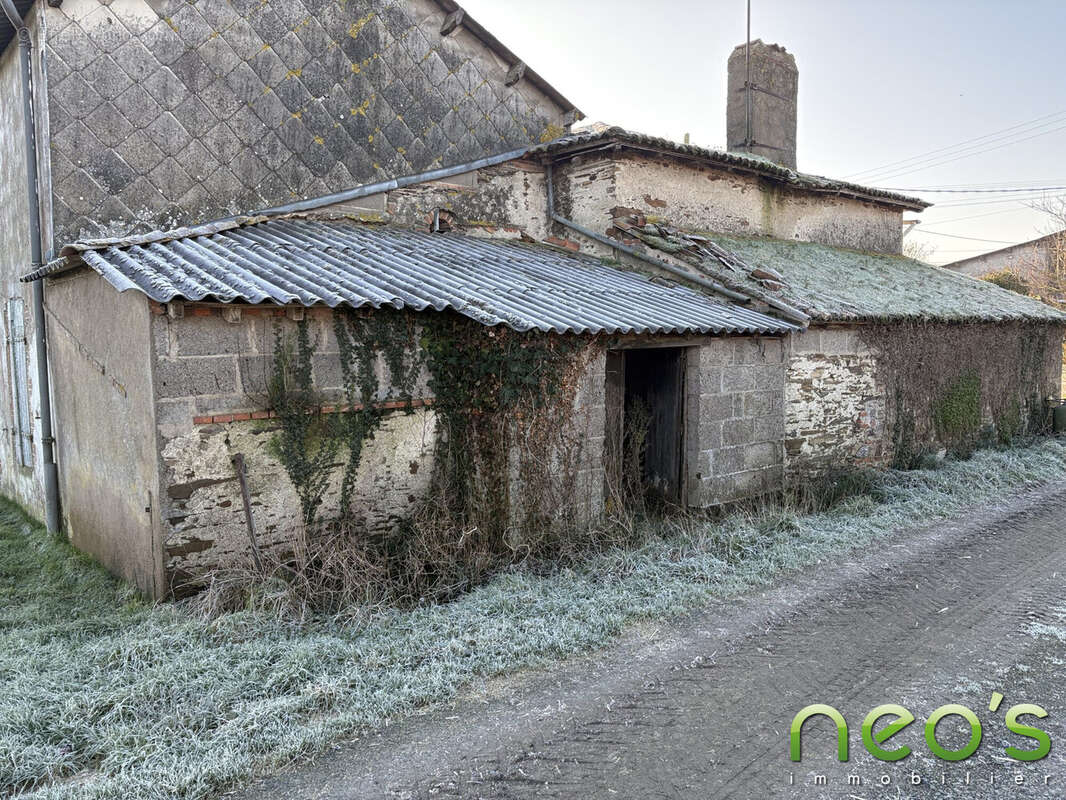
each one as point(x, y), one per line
point(701, 707)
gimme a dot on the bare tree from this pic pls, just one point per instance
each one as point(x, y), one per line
point(919, 251)
point(1048, 261)
point(1047, 267)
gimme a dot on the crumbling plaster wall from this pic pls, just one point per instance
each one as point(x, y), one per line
point(211, 404)
point(23, 484)
point(734, 412)
point(594, 190)
point(505, 200)
point(212, 398)
point(167, 112)
point(106, 450)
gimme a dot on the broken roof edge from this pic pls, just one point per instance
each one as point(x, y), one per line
point(615, 135)
point(488, 39)
point(1026, 309)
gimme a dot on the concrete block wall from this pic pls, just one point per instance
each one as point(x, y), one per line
point(735, 419)
point(167, 112)
point(835, 408)
point(211, 398)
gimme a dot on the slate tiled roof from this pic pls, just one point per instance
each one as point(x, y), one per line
point(223, 107)
point(837, 284)
point(603, 135)
point(522, 285)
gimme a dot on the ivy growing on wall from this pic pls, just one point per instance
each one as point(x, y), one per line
point(503, 402)
point(307, 443)
point(958, 386)
point(362, 340)
point(498, 391)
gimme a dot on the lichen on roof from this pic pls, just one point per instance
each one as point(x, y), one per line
point(833, 283)
point(838, 284)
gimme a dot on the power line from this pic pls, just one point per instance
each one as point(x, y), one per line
point(962, 203)
point(920, 167)
point(978, 216)
point(1034, 183)
point(968, 238)
point(920, 156)
point(978, 191)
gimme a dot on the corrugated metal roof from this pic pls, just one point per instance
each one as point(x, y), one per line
point(603, 134)
point(339, 262)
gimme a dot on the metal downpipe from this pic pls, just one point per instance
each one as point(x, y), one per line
point(51, 472)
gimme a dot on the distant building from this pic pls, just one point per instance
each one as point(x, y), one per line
point(1024, 259)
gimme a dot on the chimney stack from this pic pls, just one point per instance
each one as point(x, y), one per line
point(772, 97)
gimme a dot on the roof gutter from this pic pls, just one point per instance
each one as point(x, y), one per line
point(389, 185)
point(51, 472)
point(785, 310)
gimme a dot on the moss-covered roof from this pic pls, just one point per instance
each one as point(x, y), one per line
point(837, 284)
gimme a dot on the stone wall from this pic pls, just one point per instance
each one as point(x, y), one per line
point(175, 112)
point(835, 408)
point(594, 189)
point(839, 396)
point(734, 398)
point(705, 198)
point(211, 404)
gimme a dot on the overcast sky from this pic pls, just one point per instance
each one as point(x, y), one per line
point(880, 82)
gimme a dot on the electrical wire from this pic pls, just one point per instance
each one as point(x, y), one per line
point(968, 238)
point(921, 167)
point(977, 191)
point(1047, 119)
point(978, 216)
point(1016, 199)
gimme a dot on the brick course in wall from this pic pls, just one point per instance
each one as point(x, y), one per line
point(215, 407)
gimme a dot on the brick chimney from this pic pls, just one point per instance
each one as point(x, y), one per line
point(773, 90)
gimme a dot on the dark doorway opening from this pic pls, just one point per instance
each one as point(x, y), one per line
point(652, 422)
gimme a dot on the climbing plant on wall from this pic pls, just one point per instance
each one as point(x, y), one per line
point(310, 441)
point(504, 405)
point(500, 393)
point(960, 385)
point(307, 442)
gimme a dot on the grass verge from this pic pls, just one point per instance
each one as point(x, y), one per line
point(105, 696)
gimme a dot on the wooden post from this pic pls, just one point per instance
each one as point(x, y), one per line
point(238, 463)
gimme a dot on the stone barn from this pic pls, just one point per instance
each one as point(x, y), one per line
point(375, 218)
point(166, 388)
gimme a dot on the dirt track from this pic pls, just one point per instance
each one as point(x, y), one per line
point(701, 707)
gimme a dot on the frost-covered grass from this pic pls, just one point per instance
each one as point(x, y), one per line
point(105, 696)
